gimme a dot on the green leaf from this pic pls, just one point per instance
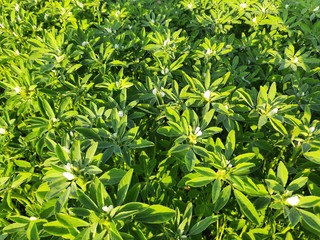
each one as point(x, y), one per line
point(14, 227)
point(246, 207)
point(55, 228)
point(155, 214)
point(216, 189)
point(32, 231)
point(282, 173)
point(223, 198)
point(274, 185)
point(294, 216)
point(87, 201)
point(272, 91)
point(91, 151)
point(62, 200)
point(113, 176)
point(71, 222)
point(277, 125)
point(230, 144)
point(124, 186)
point(297, 184)
point(200, 181)
point(75, 151)
point(311, 220)
point(62, 154)
point(263, 119)
point(313, 156)
point(140, 143)
point(309, 201)
point(190, 160)
point(21, 178)
point(200, 226)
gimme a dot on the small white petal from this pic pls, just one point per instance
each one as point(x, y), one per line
point(190, 6)
point(316, 9)
point(273, 111)
point(154, 91)
point(286, 6)
point(68, 176)
point(17, 7)
point(33, 218)
point(120, 114)
point(209, 51)
point(2, 131)
point(243, 5)
point(116, 46)
point(17, 90)
point(198, 132)
point(311, 129)
point(84, 43)
point(162, 94)
point(254, 19)
point(166, 42)
point(295, 60)
point(293, 201)
point(207, 94)
point(69, 166)
point(107, 209)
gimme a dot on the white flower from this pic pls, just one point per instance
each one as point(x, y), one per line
point(296, 60)
point(2, 131)
point(84, 43)
point(293, 201)
point(162, 94)
point(273, 111)
point(116, 46)
point(165, 71)
point(67, 150)
point(263, 10)
point(166, 42)
point(117, 13)
point(226, 106)
point(286, 6)
point(190, 6)
point(154, 91)
point(120, 114)
point(33, 218)
point(117, 84)
point(198, 132)
point(316, 9)
point(207, 95)
point(107, 209)
point(1, 25)
point(229, 164)
point(17, 52)
point(54, 119)
point(17, 7)
point(109, 30)
point(68, 176)
point(311, 129)
point(243, 5)
point(80, 4)
point(209, 51)
point(68, 167)
point(254, 19)
point(17, 90)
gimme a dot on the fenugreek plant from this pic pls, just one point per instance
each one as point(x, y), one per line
point(153, 119)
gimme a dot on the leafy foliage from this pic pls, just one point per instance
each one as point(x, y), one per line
point(144, 119)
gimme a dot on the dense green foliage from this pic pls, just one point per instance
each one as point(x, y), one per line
point(155, 119)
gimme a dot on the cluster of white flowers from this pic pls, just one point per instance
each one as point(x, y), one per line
point(120, 114)
point(198, 132)
point(17, 90)
point(165, 71)
point(155, 92)
point(107, 209)
point(209, 51)
point(243, 5)
point(2, 131)
point(293, 201)
point(207, 95)
point(84, 43)
point(166, 42)
point(68, 176)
